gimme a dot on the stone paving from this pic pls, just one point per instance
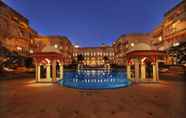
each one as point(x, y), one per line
point(23, 98)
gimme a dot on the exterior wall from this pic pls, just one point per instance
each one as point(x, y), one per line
point(94, 56)
point(172, 30)
point(15, 32)
point(125, 43)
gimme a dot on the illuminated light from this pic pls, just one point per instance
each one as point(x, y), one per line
point(30, 82)
point(39, 85)
point(143, 59)
point(132, 44)
point(19, 48)
point(55, 46)
point(47, 60)
point(174, 25)
point(58, 61)
point(160, 38)
point(76, 46)
point(131, 62)
point(162, 48)
point(31, 51)
point(176, 44)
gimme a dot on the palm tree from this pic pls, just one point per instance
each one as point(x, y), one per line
point(179, 52)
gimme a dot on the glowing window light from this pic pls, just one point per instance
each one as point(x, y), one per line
point(160, 38)
point(31, 51)
point(132, 44)
point(19, 48)
point(176, 44)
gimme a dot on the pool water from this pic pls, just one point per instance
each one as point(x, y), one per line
point(95, 79)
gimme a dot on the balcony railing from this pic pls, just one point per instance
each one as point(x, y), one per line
point(175, 35)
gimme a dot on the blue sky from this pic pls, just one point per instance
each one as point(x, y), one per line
point(92, 22)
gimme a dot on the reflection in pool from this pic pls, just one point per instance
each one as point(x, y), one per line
point(95, 79)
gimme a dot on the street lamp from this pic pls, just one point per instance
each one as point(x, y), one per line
point(55, 46)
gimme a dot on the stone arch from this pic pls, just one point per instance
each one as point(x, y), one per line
point(147, 62)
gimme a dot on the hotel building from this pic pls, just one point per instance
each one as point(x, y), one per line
point(94, 56)
point(170, 33)
point(125, 43)
point(15, 33)
point(172, 30)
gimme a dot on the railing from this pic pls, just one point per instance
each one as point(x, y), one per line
point(175, 35)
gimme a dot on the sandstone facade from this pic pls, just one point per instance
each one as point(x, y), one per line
point(15, 32)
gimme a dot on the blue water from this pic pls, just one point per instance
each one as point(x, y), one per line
point(95, 79)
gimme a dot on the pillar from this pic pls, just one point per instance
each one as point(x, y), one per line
point(37, 72)
point(129, 71)
point(157, 71)
point(48, 71)
point(154, 72)
point(61, 70)
point(136, 70)
point(54, 70)
point(143, 72)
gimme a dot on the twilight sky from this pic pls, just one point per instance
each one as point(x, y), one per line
point(92, 22)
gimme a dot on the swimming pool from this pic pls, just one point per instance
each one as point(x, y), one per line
point(95, 79)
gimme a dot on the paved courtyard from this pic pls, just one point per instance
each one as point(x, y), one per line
point(23, 98)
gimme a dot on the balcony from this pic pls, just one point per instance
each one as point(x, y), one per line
point(177, 35)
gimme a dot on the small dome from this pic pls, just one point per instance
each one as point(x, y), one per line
point(50, 49)
point(140, 46)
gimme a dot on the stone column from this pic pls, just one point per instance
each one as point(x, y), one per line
point(61, 70)
point(136, 70)
point(129, 71)
point(154, 72)
point(157, 71)
point(48, 72)
point(54, 70)
point(37, 72)
point(143, 72)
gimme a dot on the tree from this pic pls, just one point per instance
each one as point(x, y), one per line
point(80, 58)
point(106, 59)
point(179, 52)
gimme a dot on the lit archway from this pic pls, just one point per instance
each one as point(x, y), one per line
point(144, 59)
